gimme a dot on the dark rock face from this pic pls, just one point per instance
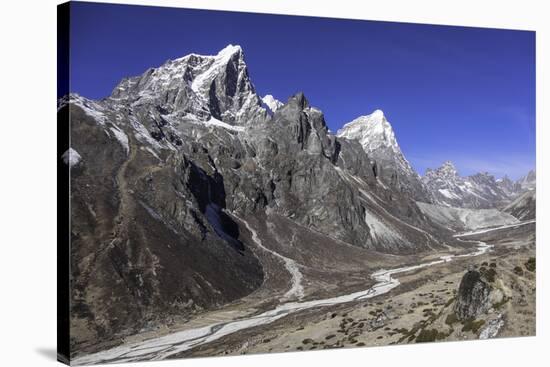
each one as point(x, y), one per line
point(473, 296)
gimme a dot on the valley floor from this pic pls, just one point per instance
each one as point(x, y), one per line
point(416, 311)
point(419, 309)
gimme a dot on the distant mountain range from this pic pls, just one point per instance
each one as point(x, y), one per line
point(167, 172)
point(481, 190)
point(442, 186)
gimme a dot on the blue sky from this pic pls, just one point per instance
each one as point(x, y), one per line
point(451, 93)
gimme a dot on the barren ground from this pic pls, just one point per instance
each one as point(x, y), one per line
point(421, 304)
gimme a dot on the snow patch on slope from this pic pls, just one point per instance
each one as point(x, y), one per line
point(121, 137)
point(448, 194)
point(91, 108)
point(271, 103)
point(215, 122)
point(71, 157)
point(143, 135)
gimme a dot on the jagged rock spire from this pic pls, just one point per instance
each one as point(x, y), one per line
point(206, 86)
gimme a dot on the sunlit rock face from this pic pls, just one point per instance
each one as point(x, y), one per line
point(473, 296)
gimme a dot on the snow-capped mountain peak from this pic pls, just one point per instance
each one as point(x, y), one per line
point(373, 131)
point(205, 86)
point(230, 53)
point(378, 114)
point(448, 166)
point(229, 50)
point(446, 171)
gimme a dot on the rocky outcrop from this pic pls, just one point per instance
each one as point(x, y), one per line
point(473, 296)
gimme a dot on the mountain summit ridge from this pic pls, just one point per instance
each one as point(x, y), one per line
point(217, 86)
point(480, 190)
point(181, 178)
point(377, 137)
point(217, 90)
point(372, 131)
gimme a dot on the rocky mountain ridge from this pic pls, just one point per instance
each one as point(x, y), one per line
point(524, 206)
point(478, 191)
point(527, 182)
point(442, 186)
point(167, 172)
point(217, 87)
